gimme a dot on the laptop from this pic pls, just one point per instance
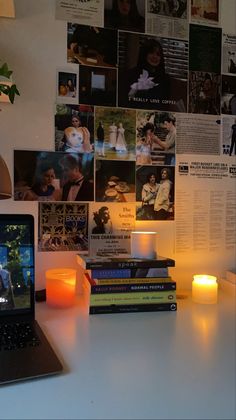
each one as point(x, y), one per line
point(25, 352)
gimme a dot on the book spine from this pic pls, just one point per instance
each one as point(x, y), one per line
point(152, 280)
point(124, 264)
point(132, 287)
point(152, 307)
point(130, 297)
point(127, 273)
point(100, 274)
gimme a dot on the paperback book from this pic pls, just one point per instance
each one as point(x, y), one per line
point(141, 280)
point(115, 262)
point(110, 273)
point(152, 307)
point(144, 297)
point(128, 286)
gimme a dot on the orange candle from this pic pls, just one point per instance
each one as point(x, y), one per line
point(204, 289)
point(60, 287)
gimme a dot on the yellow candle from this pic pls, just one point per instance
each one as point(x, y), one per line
point(60, 287)
point(204, 289)
point(143, 244)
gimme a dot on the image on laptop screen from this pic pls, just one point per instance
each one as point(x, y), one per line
point(16, 263)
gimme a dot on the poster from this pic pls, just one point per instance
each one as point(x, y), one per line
point(115, 181)
point(155, 193)
point(63, 227)
point(152, 72)
point(206, 12)
point(206, 212)
point(198, 134)
point(110, 227)
point(91, 46)
point(115, 133)
point(167, 18)
point(84, 12)
point(229, 54)
point(74, 128)
point(67, 86)
point(228, 146)
point(202, 58)
point(53, 176)
point(204, 92)
point(156, 138)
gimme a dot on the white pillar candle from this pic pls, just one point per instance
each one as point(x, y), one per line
point(143, 245)
point(204, 289)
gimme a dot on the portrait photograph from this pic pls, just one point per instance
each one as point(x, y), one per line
point(155, 138)
point(97, 86)
point(53, 176)
point(115, 133)
point(114, 181)
point(155, 192)
point(74, 128)
point(152, 72)
point(91, 46)
point(126, 15)
point(67, 87)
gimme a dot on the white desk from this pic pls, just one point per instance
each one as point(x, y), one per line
point(134, 366)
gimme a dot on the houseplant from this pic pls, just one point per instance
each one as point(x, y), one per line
point(6, 87)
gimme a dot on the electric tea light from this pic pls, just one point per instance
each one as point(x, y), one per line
point(143, 244)
point(204, 289)
point(60, 287)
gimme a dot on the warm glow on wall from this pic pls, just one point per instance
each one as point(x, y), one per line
point(7, 8)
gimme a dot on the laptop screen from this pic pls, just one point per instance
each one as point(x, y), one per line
point(16, 264)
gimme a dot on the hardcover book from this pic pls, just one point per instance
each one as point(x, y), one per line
point(116, 262)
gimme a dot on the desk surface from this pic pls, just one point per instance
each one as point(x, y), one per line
point(134, 366)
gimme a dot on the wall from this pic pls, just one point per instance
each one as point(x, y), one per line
point(34, 45)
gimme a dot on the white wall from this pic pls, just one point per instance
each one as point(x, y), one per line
point(34, 45)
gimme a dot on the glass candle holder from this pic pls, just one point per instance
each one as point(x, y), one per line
point(143, 244)
point(60, 287)
point(204, 289)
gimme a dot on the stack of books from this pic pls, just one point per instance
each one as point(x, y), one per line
point(117, 285)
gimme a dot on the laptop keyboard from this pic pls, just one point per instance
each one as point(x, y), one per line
point(17, 336)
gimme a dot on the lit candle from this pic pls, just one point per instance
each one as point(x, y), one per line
point(143, 245)
point(60, 287)
point(204, 289)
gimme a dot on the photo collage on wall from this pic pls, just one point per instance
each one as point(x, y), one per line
point(143, 68)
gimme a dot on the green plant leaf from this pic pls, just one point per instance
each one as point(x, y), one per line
point(4, 71)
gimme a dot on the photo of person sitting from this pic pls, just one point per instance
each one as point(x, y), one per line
point(147, 84)
point(124, 14)
point(76, 186)
point(96, 44)
point(43, 188)
point(76, 138)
